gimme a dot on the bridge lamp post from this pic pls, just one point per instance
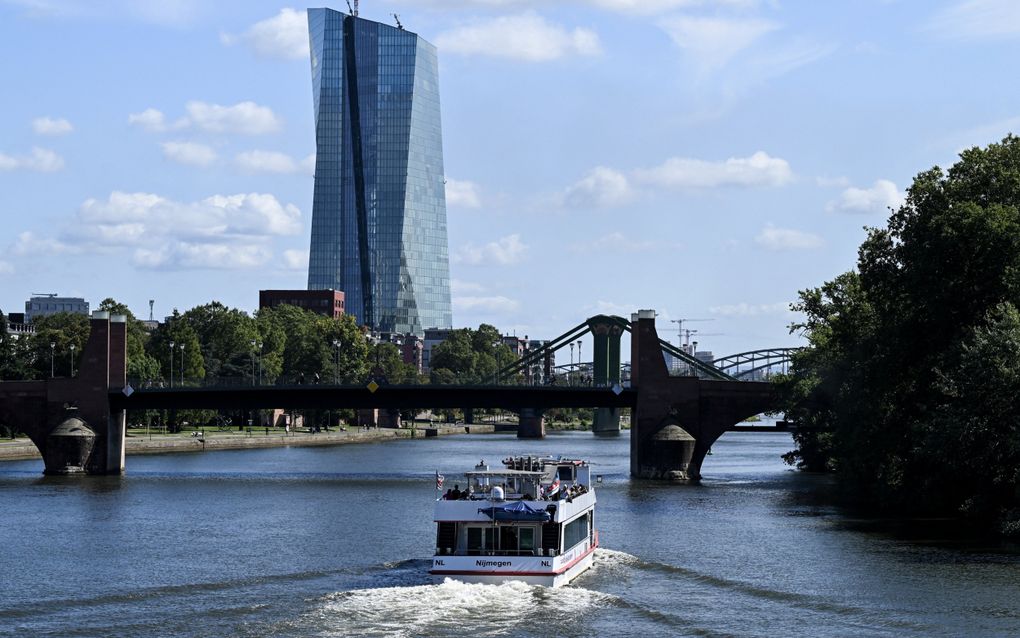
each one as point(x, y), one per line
point(570, 370)
point(171, 363)
point(253, 362)
point(260, 362)
point(53, 352)
point(72, 359)
point(579, 358)
point(182, 364)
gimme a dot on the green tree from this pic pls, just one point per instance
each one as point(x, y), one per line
point(62, 335)
point(306, 345)
point(470, 356)
point(175, 330)
point(228, 338)
point(902, 347)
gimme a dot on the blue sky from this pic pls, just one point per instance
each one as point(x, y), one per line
point(705, 158)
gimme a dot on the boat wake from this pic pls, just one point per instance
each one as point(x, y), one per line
point(453, 608)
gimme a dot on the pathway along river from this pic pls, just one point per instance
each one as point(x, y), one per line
point(333, 542)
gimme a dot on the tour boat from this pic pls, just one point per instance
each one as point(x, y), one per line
point(531, 520)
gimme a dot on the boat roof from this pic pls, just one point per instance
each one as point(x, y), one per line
point(503, 473)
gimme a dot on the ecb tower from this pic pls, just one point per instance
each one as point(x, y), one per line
point(379, 205)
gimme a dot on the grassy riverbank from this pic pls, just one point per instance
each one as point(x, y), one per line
point(141, 442)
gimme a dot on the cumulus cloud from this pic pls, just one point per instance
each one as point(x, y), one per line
point(601, 188)
point(243, 118)
point(150, 119)
point(744, 309)
point(40, 160)
point(462, 194)
point(221, 231)
point(713, 41)
point(882, 196)
point(190, 153)
point(784, 239)
point(285, 36)
point(51, 126)
point(266, 162)
point(527, 37)
point(504, 251)
point(295, 259)
point(977, 20)
point(759, 169)
point(496, 303)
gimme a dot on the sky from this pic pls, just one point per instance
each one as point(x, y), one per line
point(706, 159)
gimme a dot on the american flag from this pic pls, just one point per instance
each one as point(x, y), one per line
point(439, 480)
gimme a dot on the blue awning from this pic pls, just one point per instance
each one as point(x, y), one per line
point(515, 511)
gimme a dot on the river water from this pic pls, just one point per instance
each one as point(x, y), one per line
point(333, 541)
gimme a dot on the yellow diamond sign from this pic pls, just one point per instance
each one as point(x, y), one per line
point(373, 386)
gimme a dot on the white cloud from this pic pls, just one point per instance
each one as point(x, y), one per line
point(458, 287)
point(882, 196)
point(150, 119)
point(614, 241)
point(213, 256)
point(977, 20)
point(245, 118)
point(462, 193)
point(295, 259)
point(51, 126)
point(759, 169)
point(490, 304)
point(782, 239)
point(652, 7)
point(308, 164)
point(522, 37)
point(601, 188)
point(504, 251)
point(40, 160)
point(190, 153)
point(285, 35)
point(6, 268)
point(744, 309)
point(713, 42)
point(266, 162)
point(221, 231)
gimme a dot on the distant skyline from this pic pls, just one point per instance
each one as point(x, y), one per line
point(705, 158)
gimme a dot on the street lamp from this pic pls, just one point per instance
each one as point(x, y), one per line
point(53, 351)
point(570, 370)
point(579, 358)
point(336, 362)
point(260, 362)
point(253, 361)
point(182, 365)
point(171, 363)
point(72, 359)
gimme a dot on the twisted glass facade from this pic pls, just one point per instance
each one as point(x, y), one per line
point(379, 206)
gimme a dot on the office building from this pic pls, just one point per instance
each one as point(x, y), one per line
point(329, 303)
point(51, 304)
point(379, 205)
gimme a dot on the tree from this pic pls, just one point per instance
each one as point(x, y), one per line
point(470, 356)
point(67, 332)
point(226, 336)
point(909, 352)
point(175, 330)
point(302, 344)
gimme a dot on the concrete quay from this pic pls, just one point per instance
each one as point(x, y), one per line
point(140, 443)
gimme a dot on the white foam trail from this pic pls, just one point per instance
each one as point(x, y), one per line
point(612, 560)
point(453, 608)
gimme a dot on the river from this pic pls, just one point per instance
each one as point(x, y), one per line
point(333, 541)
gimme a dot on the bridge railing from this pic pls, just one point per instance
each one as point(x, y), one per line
point(292, 381)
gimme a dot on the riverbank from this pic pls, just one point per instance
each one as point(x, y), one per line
point(141, 443)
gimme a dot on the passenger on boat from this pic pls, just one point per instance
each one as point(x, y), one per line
point(456, 495)
point(449, 495)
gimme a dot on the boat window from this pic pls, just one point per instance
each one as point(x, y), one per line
point(574, 532)
point(565, 472)
point(527, 538)
point(508, 538)
point(474, 539)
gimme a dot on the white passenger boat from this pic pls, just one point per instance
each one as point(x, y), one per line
point(531, 520)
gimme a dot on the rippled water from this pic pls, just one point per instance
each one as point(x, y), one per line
point(334, 542)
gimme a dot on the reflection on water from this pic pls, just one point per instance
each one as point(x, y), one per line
point(334, 542)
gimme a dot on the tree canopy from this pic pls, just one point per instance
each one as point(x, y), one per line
point(908, 390)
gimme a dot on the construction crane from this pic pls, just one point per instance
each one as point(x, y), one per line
point(688, 332)
point(680, 327)
point(397, 18)
point(51, 295)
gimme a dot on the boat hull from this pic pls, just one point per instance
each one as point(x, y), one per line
point(534, 570)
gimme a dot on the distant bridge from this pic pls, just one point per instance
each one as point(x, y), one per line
point(675, 419)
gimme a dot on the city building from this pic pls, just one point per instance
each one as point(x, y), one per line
point(433, 337)
point(379, 204)
point(51, 304)
point(324, 302)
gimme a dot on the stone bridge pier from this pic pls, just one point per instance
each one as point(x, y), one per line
point(69, 419)
point(677, 419)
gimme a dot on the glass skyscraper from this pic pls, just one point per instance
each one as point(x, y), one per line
point(379, 206)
